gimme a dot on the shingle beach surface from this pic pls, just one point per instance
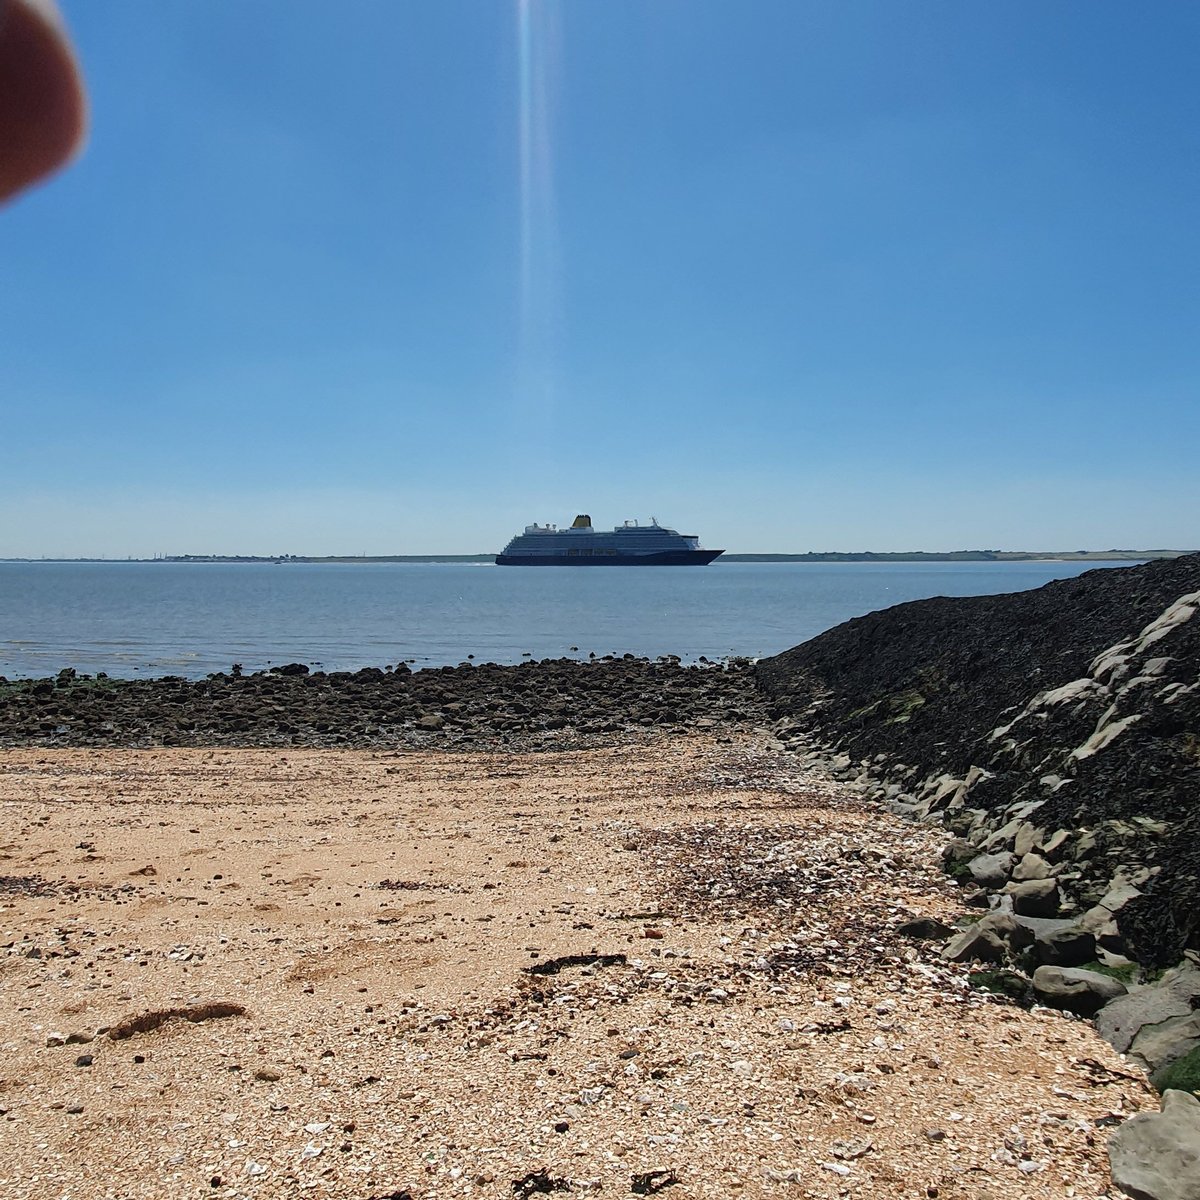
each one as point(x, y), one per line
point(674, 966)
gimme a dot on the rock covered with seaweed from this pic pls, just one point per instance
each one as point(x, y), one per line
point(554, 704)
point(1062, 723)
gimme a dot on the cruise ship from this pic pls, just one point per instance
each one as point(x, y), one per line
point(628, 545)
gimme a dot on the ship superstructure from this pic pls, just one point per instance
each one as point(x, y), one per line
point(628, 545)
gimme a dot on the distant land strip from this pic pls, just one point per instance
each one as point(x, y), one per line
point(812, 556)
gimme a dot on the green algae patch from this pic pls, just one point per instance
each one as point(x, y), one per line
point(1183, 1075)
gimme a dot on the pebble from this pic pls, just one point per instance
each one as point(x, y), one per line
point(853, 1148)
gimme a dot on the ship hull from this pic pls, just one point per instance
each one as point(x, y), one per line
point(668, 558)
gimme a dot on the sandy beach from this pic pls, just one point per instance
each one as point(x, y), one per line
point(372, 974)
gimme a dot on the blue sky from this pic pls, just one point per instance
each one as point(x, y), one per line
point(390, 277)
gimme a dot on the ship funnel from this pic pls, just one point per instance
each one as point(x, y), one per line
point(583, 521)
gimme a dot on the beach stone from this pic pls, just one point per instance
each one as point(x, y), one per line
point(1040, 927)
point(991, 870)
point(988, 940)
point(1120, 892)
point(1055, 939)
point(975, 945)
point(925, 928)
point(956, 851)
point(1070, 947)
point(1026, 839)
point(852, 1148)
point(1031, 866)
point(1156, 1156)
point(1053, 845)
point(1076, 990)
point(1158, 1046)
point(1171, 998)
point(1034, 897)
point(1059, 941)
point(1103, 925)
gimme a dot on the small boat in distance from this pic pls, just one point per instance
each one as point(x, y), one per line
point(628, 545)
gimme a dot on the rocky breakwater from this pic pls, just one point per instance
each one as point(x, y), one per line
point(1056, 732)
point(552, 704)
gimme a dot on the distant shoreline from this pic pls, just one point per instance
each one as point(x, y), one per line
point(831, 556)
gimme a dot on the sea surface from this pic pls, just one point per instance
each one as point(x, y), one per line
point(138, 620)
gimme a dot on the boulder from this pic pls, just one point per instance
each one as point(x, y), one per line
point(1156, 1156)
point(1026, 840)
point(1034, 897)
point(1053, 845)
point(988, 940)
point(1100, 922)
point(1003, 837)
point(1120, 892)
point(1076, 990)
point(1159, 1046)
point(991, 870)
point(1041, 927)
point(1169, 999)
point(1066, 945)
point(1031, 866)
point(957, 851)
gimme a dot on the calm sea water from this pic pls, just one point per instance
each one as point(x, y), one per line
point(145, 619)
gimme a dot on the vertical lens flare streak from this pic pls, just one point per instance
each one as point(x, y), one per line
point(525, 138)
point(539, 306)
